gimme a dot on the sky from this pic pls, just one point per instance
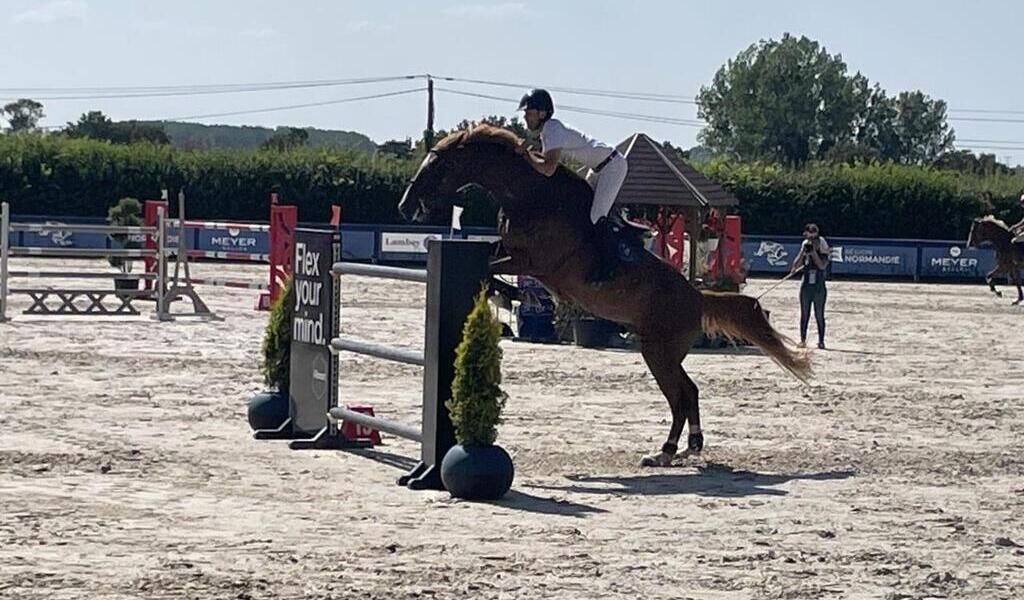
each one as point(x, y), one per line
point(970, 54)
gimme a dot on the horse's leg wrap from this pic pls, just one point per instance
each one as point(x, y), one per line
point(695, 442)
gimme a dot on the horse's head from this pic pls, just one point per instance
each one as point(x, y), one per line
point(431, 183)
point(460, 160)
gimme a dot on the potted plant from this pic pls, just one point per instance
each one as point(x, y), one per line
point(269, 409)
point(476, 468)
point(126, 213)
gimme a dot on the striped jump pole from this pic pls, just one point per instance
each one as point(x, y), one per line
point(235, 256)
point(77, 301)
point(281, 232)
point(227, 283)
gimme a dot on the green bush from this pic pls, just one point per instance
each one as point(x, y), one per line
point(55, 175)
point(277, 340)
point(477, 399)
point(59, 176)
point(126, 213)
point(864, 200)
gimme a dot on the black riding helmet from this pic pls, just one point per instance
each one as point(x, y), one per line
point(538, 99)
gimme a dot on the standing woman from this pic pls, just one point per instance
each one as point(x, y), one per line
point(813, 258)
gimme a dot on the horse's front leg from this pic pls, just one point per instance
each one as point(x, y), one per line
point(1015, 275)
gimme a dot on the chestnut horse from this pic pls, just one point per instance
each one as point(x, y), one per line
point(1009, 256)
point(546, 233)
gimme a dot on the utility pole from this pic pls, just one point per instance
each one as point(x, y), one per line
point(428, 135)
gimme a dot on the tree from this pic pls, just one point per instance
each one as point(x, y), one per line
point(397, 148)
point(791, 101)
point(285, 138)
point(24, 114)
point(921, 130)
point(787, 100)
point(95, 125)
point(966, 161)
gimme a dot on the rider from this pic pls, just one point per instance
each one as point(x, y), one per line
point(1018, 229)
point(607, 170)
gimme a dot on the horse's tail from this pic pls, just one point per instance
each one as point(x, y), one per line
point(741, 317)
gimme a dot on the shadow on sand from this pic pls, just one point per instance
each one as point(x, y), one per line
point(713, 479)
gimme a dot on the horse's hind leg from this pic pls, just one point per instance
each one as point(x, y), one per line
point(663, 359)
point(695, 441)
point(1015, 275)
point(991, 283)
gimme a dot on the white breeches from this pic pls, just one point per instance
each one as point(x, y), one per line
point(606, 186)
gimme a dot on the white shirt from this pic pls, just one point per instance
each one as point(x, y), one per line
point(555, 135)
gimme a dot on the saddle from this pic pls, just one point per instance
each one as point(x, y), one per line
point(629, 236)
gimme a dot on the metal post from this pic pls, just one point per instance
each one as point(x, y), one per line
point(181, 258)
point(456, 271)
point(5, 242)
point(162, 310)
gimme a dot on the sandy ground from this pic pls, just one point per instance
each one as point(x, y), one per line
point(127, 468)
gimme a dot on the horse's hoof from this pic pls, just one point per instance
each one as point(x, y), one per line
point(999, 294)
point(695, 442)
point(660, 459)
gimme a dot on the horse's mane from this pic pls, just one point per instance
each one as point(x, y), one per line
point(994, 221)
point(481, 134)
point(571, 191)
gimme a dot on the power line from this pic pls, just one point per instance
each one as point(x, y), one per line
point(679, 99)
point(973, 147)
point(194, 89)
point(215, 86)
point(295, 106)
point(990, 141)
point(644, 96)
point(589, 111)
point(127, 92)
point(986, 111)
point(986, 120)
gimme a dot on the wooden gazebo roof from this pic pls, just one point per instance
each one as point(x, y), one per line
point(657, 176)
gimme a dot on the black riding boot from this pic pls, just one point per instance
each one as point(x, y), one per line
point(607, 246)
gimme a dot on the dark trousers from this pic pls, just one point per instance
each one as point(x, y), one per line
point(813, 294)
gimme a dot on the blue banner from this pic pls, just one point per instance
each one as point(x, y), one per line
point(956, 261)
point(231, 240)
point(64, 238)
point(770, 255)
point(874, 259)
point(407, 243)
point(358, 245)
